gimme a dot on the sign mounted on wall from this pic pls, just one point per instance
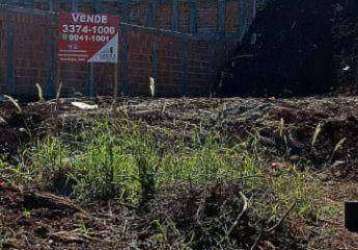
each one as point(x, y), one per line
point(88, 38)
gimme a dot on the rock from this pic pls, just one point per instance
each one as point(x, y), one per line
point(67, 237)
point(84, 106)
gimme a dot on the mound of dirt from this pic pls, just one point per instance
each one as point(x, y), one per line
point(18, 126)
point(297, 48)
point(285, 126)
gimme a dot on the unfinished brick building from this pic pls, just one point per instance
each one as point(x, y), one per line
point(181, 44)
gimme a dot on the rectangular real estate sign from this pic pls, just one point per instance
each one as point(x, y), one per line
point(88, 38)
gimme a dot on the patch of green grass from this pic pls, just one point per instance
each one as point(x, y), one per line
point(290, 186)
point(328, 211)
point(50, 154)
point(198, 166)
point(125, 160)
point(132, 163)
point(48, 158)
point(18, 173)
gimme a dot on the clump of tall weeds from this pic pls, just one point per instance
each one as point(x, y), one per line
point(208, 191)
point(132, 164)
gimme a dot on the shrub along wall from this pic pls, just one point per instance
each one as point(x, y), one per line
point(297, 48)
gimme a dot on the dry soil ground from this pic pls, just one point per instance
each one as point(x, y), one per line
point(318, 134)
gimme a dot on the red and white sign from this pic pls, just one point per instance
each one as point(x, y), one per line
point(88, 38)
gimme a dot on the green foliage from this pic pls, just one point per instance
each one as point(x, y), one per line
point(139, 166)
point(131, 164)
point(290, 186)
point(206, 163)
point(26, 213)
point(2, 164)
point(104, 170)
point(49, 159)
point(49, 155)
point(126, 161)
point(18, 173)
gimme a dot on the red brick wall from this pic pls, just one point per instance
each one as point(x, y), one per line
point(139, 61)
point(204, 58)
point(232, 10)
point(207, 15)
point(29, 53)
point(2, 52)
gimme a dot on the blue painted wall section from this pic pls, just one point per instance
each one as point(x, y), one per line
point(193, 19)
point(175, 15)
point(51, 51)
point(151, 22)
point(51, 67)
point(151, 13)
point(74, 7)
point(96, 6)
point(10, 72)
point(184, 46)
point(184, 67)
point(242, 18)
point(29, 4)
point(221, 16)
point(155, 46)
point(123, 50)
point(91, 84)
point(51, 6)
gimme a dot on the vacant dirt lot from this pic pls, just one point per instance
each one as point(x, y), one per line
point(315, 135)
